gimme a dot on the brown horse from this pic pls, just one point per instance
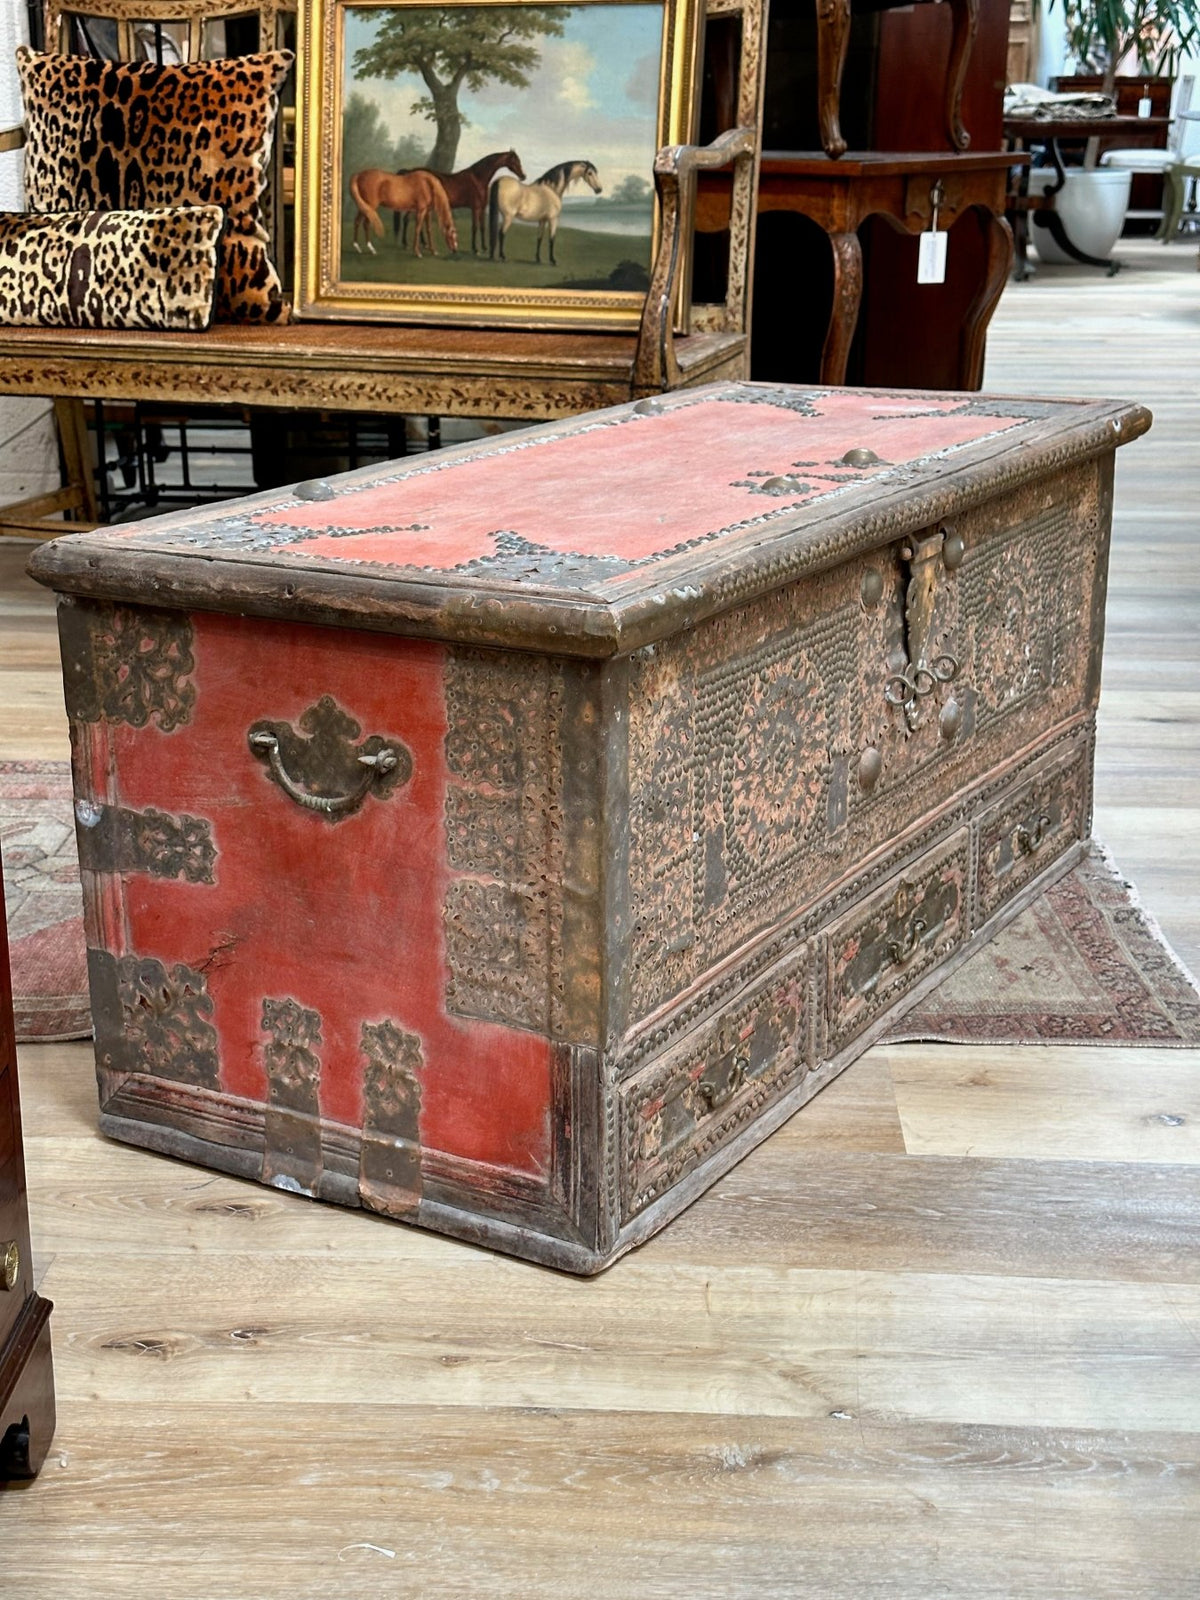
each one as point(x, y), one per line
point(468, 189)
point(418, 192)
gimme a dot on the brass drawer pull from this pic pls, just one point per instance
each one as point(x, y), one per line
point(715, 1095)
point(10, 1264)
point(320, 755)
point(1030, 836)
point(903, 949)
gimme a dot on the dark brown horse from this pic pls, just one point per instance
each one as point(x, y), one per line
point(468, 189)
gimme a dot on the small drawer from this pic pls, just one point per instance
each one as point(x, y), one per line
point(889, 942)
point(1027, 830)
point(693, 1099)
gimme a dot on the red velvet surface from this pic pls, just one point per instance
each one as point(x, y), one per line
point(343, 917)
point(630, 490)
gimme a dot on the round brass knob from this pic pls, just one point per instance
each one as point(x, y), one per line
point(10, 1264)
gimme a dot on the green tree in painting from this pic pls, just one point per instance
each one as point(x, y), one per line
point(367, 141)
point(632, 190)
point(455, 47)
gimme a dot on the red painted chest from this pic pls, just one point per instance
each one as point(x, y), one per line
point(508, 840)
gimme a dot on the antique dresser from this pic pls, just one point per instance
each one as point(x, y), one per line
point(26, 1371)
point(508, 840)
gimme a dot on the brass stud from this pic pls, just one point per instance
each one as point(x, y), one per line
point(950, 720)
point(783, 484)
point(871, 588)
point(870, 769)
point(953, 551)
point(10, 1265)
point(860, 456)
point(314, 489)
point(652, 406)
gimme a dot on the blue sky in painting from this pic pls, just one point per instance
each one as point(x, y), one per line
point(594, 97)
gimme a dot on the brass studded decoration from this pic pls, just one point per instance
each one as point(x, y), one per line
point(766, 755)
point(503, 834)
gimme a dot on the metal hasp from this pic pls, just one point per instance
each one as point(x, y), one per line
point(923, 556)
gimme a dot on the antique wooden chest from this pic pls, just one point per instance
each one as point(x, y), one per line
point(510, 839)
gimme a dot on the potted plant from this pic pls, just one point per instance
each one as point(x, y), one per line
point(1104, 35)
point(1148, 38)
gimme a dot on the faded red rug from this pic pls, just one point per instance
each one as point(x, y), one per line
point(1085, 964)
point(41, 892)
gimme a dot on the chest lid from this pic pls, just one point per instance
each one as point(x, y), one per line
point(599, 534)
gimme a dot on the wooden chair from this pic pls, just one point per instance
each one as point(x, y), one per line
point(462, 372)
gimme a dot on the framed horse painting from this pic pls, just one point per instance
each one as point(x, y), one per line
point(484, 164)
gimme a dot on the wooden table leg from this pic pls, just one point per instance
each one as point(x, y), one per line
point(965, 15)
point(979, 314)
point(71, 420)
point(843, 317)
point(833, 39)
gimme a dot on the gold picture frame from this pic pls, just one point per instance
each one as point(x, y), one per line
point(578, 78)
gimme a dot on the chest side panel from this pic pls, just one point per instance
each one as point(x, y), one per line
point(777, 748)
point(385, 965)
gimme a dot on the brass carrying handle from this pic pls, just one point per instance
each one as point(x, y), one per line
point(903, 949)
point(713, 1096)
point(1031, 836)
point(375, 766)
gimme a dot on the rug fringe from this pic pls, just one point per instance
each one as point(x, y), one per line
point(1131, 889)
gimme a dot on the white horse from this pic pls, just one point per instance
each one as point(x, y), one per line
point(540, 201)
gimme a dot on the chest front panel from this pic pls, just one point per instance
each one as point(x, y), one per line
point(776, 749)
point(322, 872)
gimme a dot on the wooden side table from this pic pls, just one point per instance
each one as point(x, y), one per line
point(26, 1373)
point(840, 195)
point(1024, 132)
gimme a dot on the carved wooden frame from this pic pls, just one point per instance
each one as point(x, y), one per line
point(194, 12)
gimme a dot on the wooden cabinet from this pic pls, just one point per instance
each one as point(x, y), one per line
point(26, 1378)
point(865, 318)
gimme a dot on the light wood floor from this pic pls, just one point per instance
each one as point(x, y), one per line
point(939, 1337)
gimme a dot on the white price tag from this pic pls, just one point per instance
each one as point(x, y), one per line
point(1144, 106)
point(931, 263)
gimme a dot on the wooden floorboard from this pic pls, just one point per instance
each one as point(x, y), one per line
point(940, 1336)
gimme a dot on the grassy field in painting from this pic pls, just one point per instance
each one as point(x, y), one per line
point(587, 259)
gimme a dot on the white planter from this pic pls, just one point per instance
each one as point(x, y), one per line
point(1092, 206)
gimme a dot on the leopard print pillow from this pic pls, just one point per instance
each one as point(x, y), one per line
point(111, 135)
point(110, 269)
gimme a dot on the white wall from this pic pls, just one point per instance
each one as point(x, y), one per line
point(28, 444)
